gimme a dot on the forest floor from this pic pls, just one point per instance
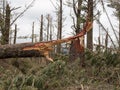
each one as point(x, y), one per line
point(99, 73)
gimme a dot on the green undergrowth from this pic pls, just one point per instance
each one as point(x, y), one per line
point(101, 72)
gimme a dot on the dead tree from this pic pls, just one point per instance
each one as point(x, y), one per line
point(51, 28)
point(15, 34)
point(48, 26)
point(106, 41)
point(59, 34)
point(41, 29)
point(32, 32)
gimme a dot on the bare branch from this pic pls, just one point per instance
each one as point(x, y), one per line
point(106, 32)
point(15, 8)
point(109, 21)
point(23, 12)
point(53, 4)
point(74, 7)
point(73, 22)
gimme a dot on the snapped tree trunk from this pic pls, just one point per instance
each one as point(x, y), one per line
point(76, 50)
point(40, 49)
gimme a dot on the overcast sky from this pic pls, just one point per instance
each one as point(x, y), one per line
point(33, 15)
point(45, 7)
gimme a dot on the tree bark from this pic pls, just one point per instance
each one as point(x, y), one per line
point(6, 30)
point(41, 29)
point(15, 34)
point(59, 34)
point(90, 18)
point(119, 30)
point(16, 50)
point(33, 35)
point(48, 26)
point(78, 16)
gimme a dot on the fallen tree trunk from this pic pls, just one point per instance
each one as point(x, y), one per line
point(40, 49)
point(16, 50)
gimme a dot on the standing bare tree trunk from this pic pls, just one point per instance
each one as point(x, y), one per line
point(99, 37)
point(5, 31)
point(90, 18)
point(59, 34)
point(119, 30)
point(15, 34)
point(4, 4)
point(41, 29)
point(51, 26)
point(106, 41)
point(33, 33)
point(48, 26)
